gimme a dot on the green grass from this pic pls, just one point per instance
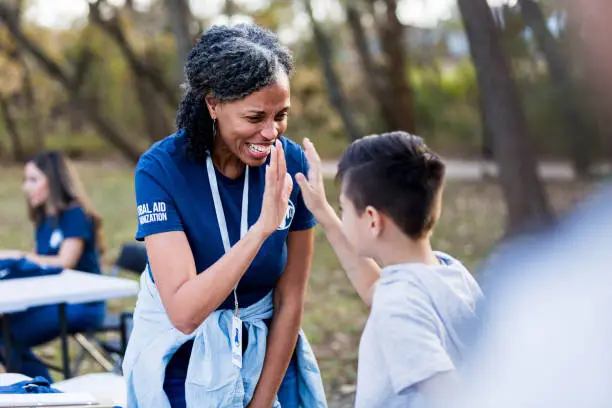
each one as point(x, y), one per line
point(471, 223)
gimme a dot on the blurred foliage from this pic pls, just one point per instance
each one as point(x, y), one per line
point(444, 84)
point(446, 103)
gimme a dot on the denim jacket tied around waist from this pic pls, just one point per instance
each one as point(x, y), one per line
point(212, 379)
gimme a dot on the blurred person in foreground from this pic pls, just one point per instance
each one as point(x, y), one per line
point(68, 234)
point(546, 328)
point(422, 301)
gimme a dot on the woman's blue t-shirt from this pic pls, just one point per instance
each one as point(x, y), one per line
point(70, 223)
point(173, 194)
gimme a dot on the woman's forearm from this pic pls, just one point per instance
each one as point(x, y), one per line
point(289, 297)
point(67, 257)
point(190, 302)
point(282, 339)
point(48, 260)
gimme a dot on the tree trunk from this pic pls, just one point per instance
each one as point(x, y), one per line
point(12, 130)
point(81, 68)
point(372, 73)
point(230, 8)
point(29, 99)
point(525, 197)
point(106, 128)
point(392, 34)
point(578, 147)
point(34, 115)
point(156, 123)
point(487, 136)
point(181, 19)
point(334, 88)
point(589, 21)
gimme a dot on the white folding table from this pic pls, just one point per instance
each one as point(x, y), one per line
point(68, 287)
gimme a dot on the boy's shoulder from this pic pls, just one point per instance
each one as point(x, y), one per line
point(423, 286)
point(449, 260)
point(404, 278)
point(399, 289)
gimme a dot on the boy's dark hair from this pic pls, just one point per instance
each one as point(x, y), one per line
point(230, 63)
point(397, 174)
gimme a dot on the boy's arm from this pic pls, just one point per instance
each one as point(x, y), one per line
point(362, 272)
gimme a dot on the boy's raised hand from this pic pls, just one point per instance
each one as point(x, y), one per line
point(313, 188)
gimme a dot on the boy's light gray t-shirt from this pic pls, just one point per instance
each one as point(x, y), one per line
point(421, 322)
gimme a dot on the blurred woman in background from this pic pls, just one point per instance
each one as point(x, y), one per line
point(68, 234)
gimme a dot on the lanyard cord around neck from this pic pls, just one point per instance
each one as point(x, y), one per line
point(244, 223)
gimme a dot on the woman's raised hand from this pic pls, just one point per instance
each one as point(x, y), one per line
point(277, 191)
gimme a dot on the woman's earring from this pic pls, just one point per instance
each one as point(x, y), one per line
point(214, 128)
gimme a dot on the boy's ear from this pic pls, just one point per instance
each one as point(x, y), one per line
point(375, 221)
point(438, 204)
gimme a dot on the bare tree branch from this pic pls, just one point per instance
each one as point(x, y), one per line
point(113, 28)
point(8, 17)
point(27, 89)
point(106, 128)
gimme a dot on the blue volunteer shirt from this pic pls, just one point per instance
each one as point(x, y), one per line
point(70, 223)
point(173, 194)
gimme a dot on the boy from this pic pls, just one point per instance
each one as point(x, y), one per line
point(422, 302)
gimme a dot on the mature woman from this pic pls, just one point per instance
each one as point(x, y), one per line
point(68, 235)
point(229, 240)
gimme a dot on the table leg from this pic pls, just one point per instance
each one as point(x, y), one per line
point(64, 339)
point(6, 339)
point(124, 336)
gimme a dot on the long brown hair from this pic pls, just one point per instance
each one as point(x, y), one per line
point(65, 191)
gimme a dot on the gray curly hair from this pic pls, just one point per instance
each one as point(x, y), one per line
point(228, 63)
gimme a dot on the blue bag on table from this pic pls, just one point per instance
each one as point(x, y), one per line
point(37, 385)
point(24, 268)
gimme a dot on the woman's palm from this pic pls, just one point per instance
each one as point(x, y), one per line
point(277, 191)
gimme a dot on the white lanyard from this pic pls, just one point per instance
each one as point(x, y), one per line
point(244, 223)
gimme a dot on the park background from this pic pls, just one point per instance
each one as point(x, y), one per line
point(518, 103)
